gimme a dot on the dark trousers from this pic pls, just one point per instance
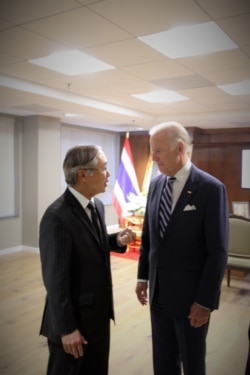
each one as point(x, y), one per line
point(176, 344)
point(94, 361)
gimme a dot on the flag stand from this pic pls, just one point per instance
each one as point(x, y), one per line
point(135, 223)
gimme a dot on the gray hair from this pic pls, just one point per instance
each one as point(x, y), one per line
point(80, 157)
point(174, 132)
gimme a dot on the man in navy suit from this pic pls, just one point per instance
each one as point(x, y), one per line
point(185, 266)
point(76, 271)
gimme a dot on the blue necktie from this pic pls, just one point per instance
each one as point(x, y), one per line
point(166, 205)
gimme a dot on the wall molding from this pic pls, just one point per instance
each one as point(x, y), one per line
point(16, 249)
point(110, 228)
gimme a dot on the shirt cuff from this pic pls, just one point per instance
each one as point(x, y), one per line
point(206, 308)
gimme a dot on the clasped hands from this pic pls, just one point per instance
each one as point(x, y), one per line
point(125, 237)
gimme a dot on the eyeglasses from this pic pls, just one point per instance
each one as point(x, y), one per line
point(103, 169)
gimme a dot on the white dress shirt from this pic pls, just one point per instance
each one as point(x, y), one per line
point(82, 200)
point(181, 178)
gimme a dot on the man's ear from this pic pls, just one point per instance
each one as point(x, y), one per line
point(81, 174)
point(181, 147)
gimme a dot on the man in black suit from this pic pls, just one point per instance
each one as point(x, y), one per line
point(184, 264)
point(76, 271)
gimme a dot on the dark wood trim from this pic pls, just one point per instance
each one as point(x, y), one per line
point(217, 151)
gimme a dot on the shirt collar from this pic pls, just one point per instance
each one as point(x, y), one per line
point(184, 172)
point(81, 198)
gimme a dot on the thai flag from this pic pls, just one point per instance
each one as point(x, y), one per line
point(126, 184)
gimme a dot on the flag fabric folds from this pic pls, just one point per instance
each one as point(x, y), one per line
point(147, 176)
point(151, 172)
point(126, 184)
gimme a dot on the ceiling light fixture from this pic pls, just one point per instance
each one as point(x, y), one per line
point(238, 88)
point(190, 40)
point(72, 63)
point(160, 96)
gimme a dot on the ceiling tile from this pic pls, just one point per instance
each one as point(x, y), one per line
point(184, 82)
point(25, 10)
point(224, 8)
point(108, 30)
point(164, 68)
point(81, 28)
point(24, 44)
point(125, 53)
point(219, 61)
point(142, 17)
point(238, 28)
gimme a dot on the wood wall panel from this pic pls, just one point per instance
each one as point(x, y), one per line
point(217, 151)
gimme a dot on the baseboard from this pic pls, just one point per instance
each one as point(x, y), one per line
point(111, 229)
point(16, 249)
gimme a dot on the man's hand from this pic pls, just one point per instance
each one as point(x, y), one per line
point(198, 315)
point(141, 291)
point(73, 343)
point(125, 237)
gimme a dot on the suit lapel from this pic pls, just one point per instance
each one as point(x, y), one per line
point(155, 201)
point(187, 193)
point(82, 216)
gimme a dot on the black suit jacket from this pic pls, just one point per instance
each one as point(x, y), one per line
point(75, 269)
point(189, 262)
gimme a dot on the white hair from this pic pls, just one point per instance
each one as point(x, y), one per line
point(175, 132)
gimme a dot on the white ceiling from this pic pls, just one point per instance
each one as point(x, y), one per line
point(108, 30)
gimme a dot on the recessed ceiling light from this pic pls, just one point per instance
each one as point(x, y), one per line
point(239, 88)
point(190, 40)
point(160, 96)
point(72, 63)
point(71, 115)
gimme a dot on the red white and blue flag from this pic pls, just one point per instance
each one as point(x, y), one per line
point(126, 184)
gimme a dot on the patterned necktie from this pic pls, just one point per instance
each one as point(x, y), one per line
point(166, 205)
point(94, 218)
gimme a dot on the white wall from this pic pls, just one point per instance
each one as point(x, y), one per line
point(38, 182)
point(11, 227)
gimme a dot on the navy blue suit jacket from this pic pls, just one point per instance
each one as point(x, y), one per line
point(189, 262)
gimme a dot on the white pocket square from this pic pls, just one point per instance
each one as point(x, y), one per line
point(189, 207)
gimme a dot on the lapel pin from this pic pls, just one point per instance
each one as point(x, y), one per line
point(189, 192)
